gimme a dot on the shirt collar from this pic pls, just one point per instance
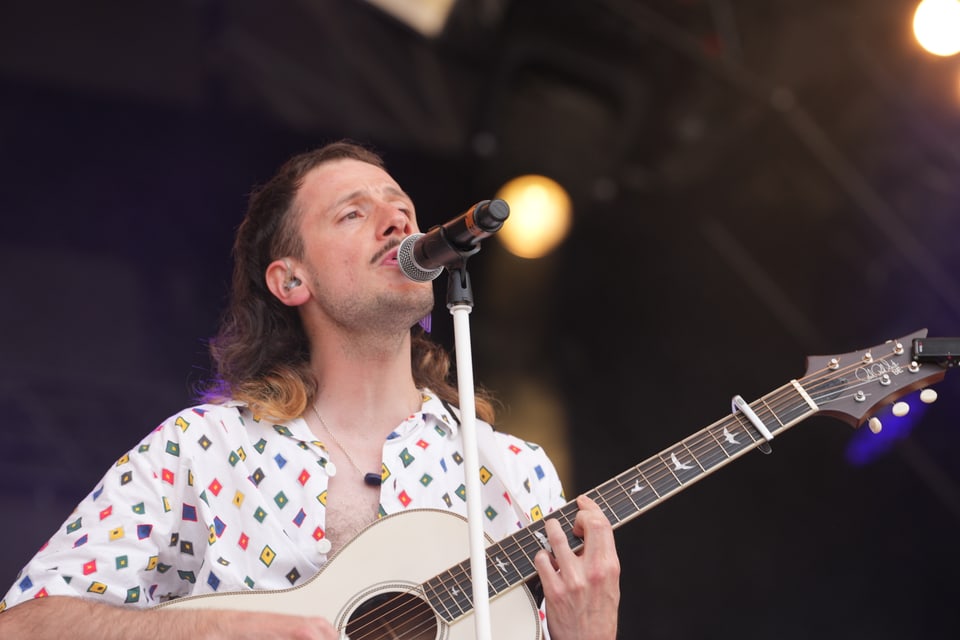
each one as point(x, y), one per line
point(442, 412)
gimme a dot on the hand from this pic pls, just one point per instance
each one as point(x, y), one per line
point(582, 591)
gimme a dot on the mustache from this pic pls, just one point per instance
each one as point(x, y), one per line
point(387, 248)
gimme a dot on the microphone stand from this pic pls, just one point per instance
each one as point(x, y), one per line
point(460, 303)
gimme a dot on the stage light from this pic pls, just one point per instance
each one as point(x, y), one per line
point(936, 25)
point(429, 17)
point(540, 215)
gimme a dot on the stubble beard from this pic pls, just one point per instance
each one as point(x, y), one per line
point(399, 312)
point(385, 314)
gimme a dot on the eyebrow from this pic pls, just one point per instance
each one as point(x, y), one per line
point(362, 192)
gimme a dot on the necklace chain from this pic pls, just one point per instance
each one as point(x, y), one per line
point(337, 441)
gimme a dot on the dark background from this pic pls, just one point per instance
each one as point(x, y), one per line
point(754, 182)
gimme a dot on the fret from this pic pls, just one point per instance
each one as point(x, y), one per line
point(462, 591)
point(794, 411)
point(662, 481)
point(720, 443)
point(647, 484)
point(500, 569)
point(604, 504)
point(773, 425)
point(692, 454)
point(705, 450)
point(523, 546)
point(440, 599)
point(628, 481)
point(731, 436)
point(566, 515)
point(748, 428)
point(680, 465)
point(447, 592)
point(629, 484)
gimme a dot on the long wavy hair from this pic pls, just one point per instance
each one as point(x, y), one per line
point(261, 354)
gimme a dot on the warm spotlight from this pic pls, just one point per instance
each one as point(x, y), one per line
point(540, 215)
point(936, 25)
point(429, 17)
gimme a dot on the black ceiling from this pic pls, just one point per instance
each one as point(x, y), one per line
point(753, 182)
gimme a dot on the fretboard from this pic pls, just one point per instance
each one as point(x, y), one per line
point(636, 490)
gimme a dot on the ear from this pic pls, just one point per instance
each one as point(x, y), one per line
point(285, 283)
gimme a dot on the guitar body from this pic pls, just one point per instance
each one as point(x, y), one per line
point(388, 560)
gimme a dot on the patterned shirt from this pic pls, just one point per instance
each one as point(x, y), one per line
point(215, 500)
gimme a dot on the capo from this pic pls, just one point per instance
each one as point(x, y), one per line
point(739, 404)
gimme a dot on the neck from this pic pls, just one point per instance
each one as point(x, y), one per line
point(368, 389)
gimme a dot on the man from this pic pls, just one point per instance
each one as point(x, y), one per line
point(328, 412)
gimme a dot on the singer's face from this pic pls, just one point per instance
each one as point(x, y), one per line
point(353, 216)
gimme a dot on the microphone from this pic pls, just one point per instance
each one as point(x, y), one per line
point(423, 256)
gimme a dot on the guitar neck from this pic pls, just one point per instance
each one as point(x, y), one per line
point(636, 490)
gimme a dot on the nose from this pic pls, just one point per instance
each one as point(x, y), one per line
point(396, 223)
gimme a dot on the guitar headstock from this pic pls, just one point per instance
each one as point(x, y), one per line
point(852, 386)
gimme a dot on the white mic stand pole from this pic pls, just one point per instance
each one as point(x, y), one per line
point(460, 303)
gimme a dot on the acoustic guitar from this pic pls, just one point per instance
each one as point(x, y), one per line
point(394, 581)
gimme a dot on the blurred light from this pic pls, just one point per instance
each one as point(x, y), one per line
point(936, 25)
point(429, 17)
point(540, 215)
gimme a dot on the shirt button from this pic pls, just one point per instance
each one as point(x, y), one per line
point(323, 545)
point(330, 468)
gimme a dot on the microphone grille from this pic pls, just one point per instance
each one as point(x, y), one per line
point(408, 264)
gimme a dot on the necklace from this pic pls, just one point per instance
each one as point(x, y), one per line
point(370, 479)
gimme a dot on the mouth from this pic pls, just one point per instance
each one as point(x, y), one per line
point(388, 255)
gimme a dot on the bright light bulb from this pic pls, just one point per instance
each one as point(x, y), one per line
point(936, 25)
point(540, 215)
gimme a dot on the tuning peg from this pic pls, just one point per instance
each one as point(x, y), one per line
point(928, 396)
point(875, 425)
point(901, 409)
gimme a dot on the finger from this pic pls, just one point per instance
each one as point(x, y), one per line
point(592, 523)
point(559, 543)
point(545, 564)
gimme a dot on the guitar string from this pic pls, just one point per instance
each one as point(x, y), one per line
point(774, 404)
point(656, 469)
point(779, 399)
point(816, 383)
point(776, 400)
point(704, 436)
point(416, 624)
point(371, 621)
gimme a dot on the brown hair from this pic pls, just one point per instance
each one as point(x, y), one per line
point(261, 354)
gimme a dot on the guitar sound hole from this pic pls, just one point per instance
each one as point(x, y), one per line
point(393, 616)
